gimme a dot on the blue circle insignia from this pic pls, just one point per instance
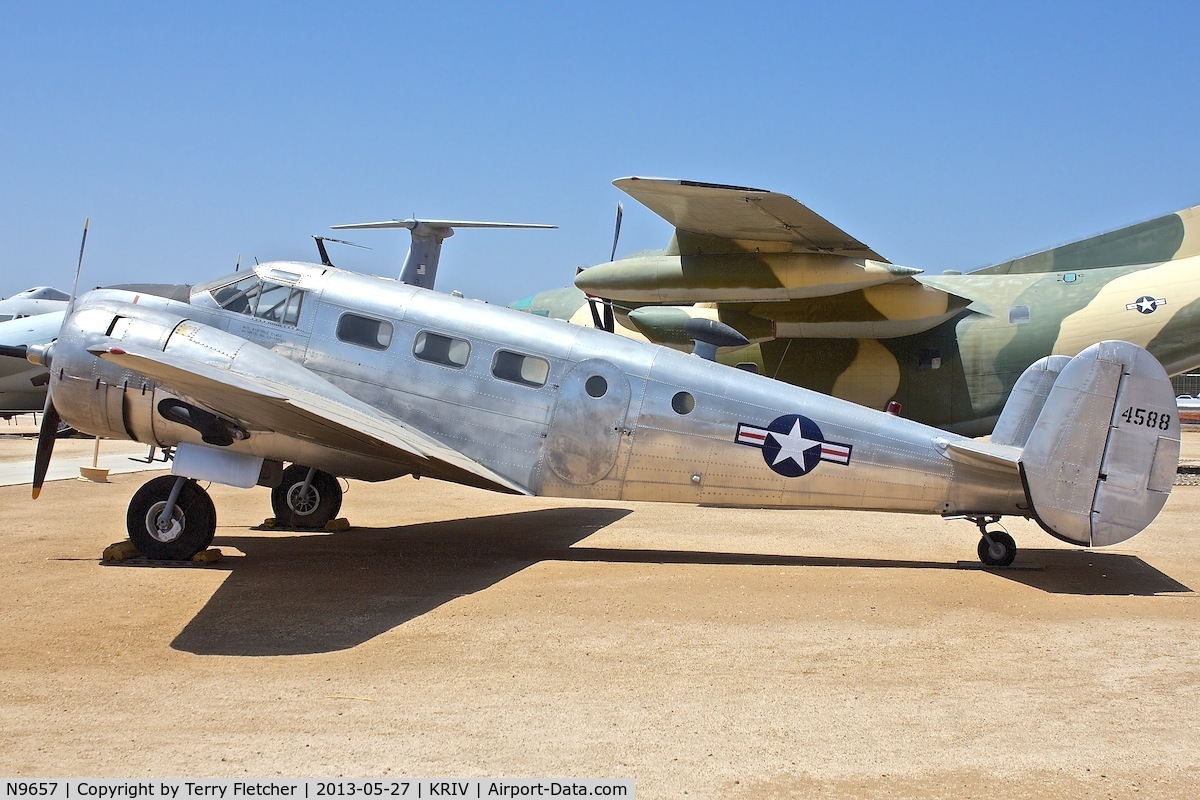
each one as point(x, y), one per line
point(1146, 304)
point(793, 445)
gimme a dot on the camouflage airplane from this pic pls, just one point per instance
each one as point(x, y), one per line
point(823, 311)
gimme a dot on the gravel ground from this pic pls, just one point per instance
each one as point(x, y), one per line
point(704, 652)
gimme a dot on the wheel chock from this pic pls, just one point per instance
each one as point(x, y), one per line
point(272, 524)
point(119, 551)
point(209, 556)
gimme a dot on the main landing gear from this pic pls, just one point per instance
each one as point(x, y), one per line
point(996, 547)
point(171, 519)
point(306, 498)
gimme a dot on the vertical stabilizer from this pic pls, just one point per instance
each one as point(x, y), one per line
point(1099, 462)
point(1025, 401)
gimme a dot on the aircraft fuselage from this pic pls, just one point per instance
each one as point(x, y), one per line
point(555, 408)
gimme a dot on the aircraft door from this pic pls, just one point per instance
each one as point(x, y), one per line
point(588, 422)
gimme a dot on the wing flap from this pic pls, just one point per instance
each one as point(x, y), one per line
point(332, 418)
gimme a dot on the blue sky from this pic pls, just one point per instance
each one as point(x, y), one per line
point(944, 135)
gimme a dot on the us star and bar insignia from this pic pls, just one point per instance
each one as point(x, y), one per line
point(1147, 304)
point(792, 445)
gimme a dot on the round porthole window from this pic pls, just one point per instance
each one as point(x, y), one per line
point(596, 386)
point(683, 403)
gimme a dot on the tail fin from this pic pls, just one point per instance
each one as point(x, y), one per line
point(1099, 462)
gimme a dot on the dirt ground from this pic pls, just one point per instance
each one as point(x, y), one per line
point(704, 652)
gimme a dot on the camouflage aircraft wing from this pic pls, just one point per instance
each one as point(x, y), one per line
point(332, 417)
point(741, 213)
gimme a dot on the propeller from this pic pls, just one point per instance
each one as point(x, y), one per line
point(616, 232)
point(602, 309)
point(48, 431)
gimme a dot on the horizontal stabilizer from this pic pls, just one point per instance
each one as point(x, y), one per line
point(413, 224)
point(985, 455)
point(421, 263)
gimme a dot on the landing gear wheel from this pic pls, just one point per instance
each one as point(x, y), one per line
point(1000, 552)
point(191, 527)
point(296, 508)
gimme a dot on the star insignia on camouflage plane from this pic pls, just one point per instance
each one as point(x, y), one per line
point(1146, 304)
point(792, 445)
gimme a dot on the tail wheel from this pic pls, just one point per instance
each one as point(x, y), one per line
point(999, 551)
point(297, 506)
point(187, 530)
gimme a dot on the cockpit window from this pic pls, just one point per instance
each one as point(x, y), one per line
point(263, 299)
point(5, 317)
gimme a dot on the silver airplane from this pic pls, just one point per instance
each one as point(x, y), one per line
point(34, 315)
point(32, 302)
point(345, 375)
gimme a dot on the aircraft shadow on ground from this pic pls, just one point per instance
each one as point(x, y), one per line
point(315, 593)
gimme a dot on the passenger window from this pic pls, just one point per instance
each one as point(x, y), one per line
point(683, 403)
point(596, 386)
point(442, 349)
point(373, 333)
point(522, 369)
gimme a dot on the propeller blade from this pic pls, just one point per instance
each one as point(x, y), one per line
point(14, 351)
point(78, 269)
point(616, 233)
point(596, 322)
point(47, 433)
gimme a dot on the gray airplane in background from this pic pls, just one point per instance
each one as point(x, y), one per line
point(32, 316)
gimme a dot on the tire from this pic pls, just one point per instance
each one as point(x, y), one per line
point(1002, 552)
point(194, 514)
point(323, 503)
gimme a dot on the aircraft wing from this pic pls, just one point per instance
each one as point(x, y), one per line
point(738, 212)
point(329, 417)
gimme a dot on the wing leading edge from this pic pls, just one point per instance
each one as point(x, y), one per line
point(332, 418)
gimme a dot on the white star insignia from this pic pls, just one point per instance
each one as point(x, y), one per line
point(1146, 305)
point(793, 445)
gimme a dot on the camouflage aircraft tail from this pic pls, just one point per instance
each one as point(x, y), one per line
point(1167, 238)
point(1095, 439)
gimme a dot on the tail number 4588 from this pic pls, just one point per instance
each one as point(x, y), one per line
point(1150, 419)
